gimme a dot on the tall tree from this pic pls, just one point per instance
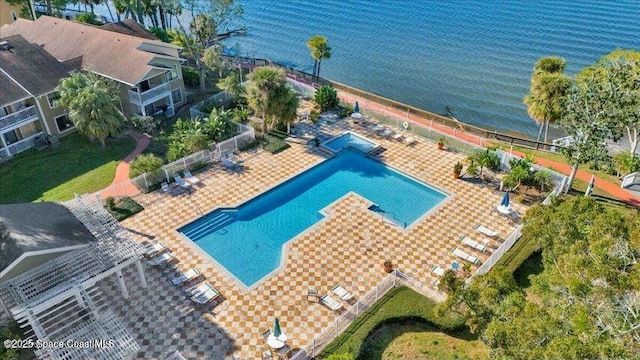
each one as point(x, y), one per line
point(319, 47)
point(26, 9)
point(91, 104)
point(206, 30)
point(586, 120)
point(548, 88)
point(619, 73)
point(269, 96)
point(232, 85)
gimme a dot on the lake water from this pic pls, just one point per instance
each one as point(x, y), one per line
point(474, 57)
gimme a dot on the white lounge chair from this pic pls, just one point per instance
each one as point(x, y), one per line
point(198, 289)
point(161, 259)
point(165, 187)
point(472, 243)
point(377, 128)
point(331, 303)
point(397, 136)
point(342, 293)
point(184, 277)
point(190, 178)
point(486, 231)
point(181, 182)
point(437, 270)
point(409, 141)
point(385, 133)
point(206, 296)
point(464, 256)
point(153, 249)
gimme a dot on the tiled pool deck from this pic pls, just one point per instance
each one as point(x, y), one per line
point(348, 248)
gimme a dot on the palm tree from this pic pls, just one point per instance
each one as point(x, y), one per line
point(264, 83)
point(232, 85)
point(91, 105)
point(319, 47)
point(549, 86)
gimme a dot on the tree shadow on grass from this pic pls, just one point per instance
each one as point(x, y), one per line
point(380, 338)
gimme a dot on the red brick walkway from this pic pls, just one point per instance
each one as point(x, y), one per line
point(600, 183)
point(120, 186)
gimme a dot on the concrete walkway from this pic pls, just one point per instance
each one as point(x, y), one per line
point(120, 186)
point(600, 183)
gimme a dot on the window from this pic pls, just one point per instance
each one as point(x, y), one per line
point(52, 97)
point(173, 73)
point(14, 17)
point(63, 123)
point(11, 137)
point(176, 95)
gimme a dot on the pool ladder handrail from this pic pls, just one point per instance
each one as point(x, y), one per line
point(199, 211)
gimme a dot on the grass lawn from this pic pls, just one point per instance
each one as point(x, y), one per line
point(378, 327)
point(56, 173)
point(421, 341)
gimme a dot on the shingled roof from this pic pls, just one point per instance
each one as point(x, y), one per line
point(129, 27)
point(117, 56)
point(28, 70)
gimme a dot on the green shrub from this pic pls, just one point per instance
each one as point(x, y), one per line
point(250, 145)
point(241, 114)
point(125, 208)
point(146, 124)
point(345, 111)
point(314, 115)
point(326, 97)
point(110, 202)
point(88, 18)
point(190, 76)
point(144, 163)
point(160, 34)
point(275, 145)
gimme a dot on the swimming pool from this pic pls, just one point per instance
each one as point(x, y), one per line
point(349, 140)
point(248, 240)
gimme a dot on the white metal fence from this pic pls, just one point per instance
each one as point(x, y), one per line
point(150, 181)
point(216, 100)
point(342, 322)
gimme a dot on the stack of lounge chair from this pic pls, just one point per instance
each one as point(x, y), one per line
point(181, 182)
point(464, 256)
point(439, 272)
point(161, 259)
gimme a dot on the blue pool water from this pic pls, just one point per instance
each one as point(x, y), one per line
point(349, 140)
point(248, 240)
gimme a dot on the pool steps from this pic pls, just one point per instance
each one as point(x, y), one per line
point(212, 224)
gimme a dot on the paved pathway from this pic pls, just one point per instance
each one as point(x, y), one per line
point(120, 186)
point(600, 183)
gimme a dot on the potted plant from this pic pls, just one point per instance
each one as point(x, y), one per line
point(466, 269)
point(442, 142)
point(388, 266)
point(457, 170)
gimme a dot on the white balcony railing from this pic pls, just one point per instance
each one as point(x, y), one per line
point(24, 144)
point(18, 117)
point(143, 98)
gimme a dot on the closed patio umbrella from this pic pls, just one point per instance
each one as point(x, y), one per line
point(356, 108)
point(505, 200)
point(277, 339)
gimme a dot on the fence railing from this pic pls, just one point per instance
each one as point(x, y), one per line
point(395, 106)
point(151, 180)
point(342, 322)
point(217, 99)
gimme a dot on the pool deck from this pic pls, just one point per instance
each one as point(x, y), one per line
point(347, 248)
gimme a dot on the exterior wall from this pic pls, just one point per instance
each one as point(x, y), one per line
point(128, 109)
point(49, 115)
point(6, 15)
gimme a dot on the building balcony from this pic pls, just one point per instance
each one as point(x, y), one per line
point(24, 144)
point(22, 115)
point(149, 96)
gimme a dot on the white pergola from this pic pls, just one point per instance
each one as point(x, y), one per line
point(58, 300)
